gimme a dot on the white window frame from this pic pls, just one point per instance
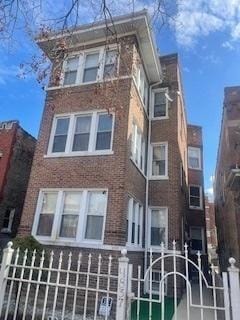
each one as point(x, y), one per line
point(199, 158)
point(149, 227)
point(131, 203)
point(71, 131)
point(137, 80)
point(158, 177)
point(201, 197)
point(81, 228)
point(81, 63)
point(139, 145)
point(164, 282)
point(203, 239)
point(152, 103)
point(10, 222)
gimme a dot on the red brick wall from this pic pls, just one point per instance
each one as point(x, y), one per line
point(7, 139)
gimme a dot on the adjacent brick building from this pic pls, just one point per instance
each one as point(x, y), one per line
point(16, 154)
point(211, 230)
point(227, 180)
point(111, 164)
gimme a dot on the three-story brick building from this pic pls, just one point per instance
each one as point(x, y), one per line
point(111, 164)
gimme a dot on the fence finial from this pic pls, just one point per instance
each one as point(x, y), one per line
point(124, 252)
point(9, 245)
point(232, 262)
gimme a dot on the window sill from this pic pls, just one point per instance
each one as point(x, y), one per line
point(69, 86)
point(69, 242)
point(159, 178)
point(158, 249)
point(197, 169)
point(135, 164)
point(7, 231)
point(130, 247)
point(159, 118)
point(78, 154)
point(195, 208)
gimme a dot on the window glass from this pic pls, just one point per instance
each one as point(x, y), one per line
point(194, 158)
point(110, 67)
point(158, 227)
point(160, 104)
point(60, 137)
point(8, 219)
point(70, 215)
point(82, 133)
point(196, 239)
point(47, 214)
point(95, 215)
point(70, 73)
point(159, 160)
point(195, 196)
point(104, 132)
point(91, 67)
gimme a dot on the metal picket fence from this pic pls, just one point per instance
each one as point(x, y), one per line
point(54, 286)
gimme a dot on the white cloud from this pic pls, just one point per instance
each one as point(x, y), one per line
point(199, 18)
point(227, 45)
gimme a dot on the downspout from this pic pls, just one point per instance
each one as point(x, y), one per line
point(148, 173)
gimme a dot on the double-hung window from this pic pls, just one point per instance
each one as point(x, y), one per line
point(194, 158)
point(96, 208)
point(90, 66)
point(81, 134)
point(195, 197)
point(110, 66)
point(71, 70)
point(159, 104)
point(142, 84)
point(138, 148)
point(134, 221)
point(158, 225)
point(159, 161)
point(197, 239)
point(60, 135)
point(70, 215)
point(8, 220)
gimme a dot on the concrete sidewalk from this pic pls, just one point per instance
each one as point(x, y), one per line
point(195, 313)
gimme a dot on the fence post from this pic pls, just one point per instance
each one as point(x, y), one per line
point(6, 260)
point(234, 289)
point(122, 286)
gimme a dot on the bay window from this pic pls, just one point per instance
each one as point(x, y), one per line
point(90, 66)
point(81, 134)
point(70, 215)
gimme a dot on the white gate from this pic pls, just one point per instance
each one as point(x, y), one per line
point(208, 298)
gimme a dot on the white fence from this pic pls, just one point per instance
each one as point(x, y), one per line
point(53, 287)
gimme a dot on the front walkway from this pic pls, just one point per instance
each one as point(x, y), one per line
point(195, 313)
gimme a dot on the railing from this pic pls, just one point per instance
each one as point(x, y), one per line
point(54, 286)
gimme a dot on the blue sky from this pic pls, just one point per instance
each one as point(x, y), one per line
point(206, 36)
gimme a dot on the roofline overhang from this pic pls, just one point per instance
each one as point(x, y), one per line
point(137, 23)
